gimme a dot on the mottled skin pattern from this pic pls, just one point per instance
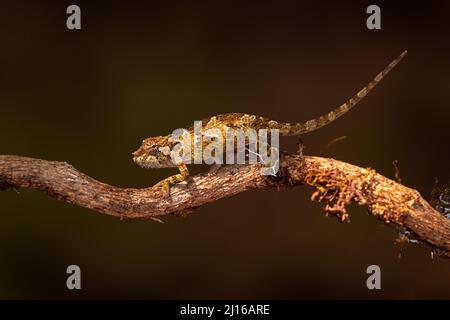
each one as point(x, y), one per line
point(440, 200)
point(155, 151)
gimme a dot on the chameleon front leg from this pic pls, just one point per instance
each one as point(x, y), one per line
point(167, 183)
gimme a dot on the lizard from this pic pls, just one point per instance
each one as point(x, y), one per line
point(155, 152)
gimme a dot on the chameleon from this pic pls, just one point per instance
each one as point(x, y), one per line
point(155, 152)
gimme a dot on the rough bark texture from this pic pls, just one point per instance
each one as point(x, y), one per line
point(337, 183)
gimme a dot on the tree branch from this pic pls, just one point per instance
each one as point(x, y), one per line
point(335, 182)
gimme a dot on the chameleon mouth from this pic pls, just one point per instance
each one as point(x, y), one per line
point(139, 159)
point(138, 153)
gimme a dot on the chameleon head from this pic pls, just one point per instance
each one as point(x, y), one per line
point(154, 153)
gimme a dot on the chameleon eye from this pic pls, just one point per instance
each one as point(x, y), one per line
point(154, 152)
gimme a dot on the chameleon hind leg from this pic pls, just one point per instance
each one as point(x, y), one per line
point(167, 183)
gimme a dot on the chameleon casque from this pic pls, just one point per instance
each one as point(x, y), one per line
point(155, 152)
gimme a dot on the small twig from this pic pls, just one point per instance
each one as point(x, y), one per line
point(397, 171)
point(334, 141)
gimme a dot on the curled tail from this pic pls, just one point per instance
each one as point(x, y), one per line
point(314, 124)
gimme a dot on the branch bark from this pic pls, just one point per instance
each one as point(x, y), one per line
point(336, 183)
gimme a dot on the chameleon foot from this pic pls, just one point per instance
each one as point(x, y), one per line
point(167, 183)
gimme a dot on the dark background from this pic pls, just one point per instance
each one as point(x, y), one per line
point(138, 69)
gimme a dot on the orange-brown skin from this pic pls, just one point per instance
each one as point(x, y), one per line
point(155, 151)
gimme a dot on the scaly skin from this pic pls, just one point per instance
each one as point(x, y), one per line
point(155, 151)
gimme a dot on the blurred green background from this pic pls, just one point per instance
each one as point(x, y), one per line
point(139, 68)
